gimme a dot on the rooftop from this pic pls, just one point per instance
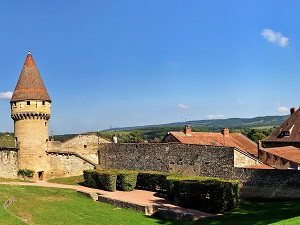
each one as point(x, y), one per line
point(288, 131)
point(30, 85)
point(225, 138)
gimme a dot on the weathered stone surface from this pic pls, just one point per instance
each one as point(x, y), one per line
point(9, 163)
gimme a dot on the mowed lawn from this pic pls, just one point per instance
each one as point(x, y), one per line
point(40, 205)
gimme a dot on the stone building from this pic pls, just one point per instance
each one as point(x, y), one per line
point(31, 110)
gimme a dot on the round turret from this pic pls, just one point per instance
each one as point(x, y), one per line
point(31, 110)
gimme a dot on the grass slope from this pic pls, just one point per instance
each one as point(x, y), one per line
point(39, 205)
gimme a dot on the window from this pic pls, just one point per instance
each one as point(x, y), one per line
point(28, 102)
point(85, 146)
point(284, 134)
point(43, 103)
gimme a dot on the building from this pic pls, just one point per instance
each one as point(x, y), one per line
point(246, 151)
point(287, 134)
point(281, 149)
point(31, 111)
point(225, 138)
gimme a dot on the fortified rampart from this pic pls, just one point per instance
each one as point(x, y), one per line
point(204, 161)
point(8, 162)
point(214, 161)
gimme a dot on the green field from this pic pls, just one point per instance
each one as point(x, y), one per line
point(39, 205)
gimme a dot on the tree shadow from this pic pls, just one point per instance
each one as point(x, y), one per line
point(249, 212)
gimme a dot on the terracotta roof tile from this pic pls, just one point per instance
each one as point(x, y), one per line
point(30, 85)
point(289, 153)
point(291, 126)
point(236, 140)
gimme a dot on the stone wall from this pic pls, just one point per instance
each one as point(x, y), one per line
point(183, 158)
point(261, 183)
point(8, 163)
point(211, 161)
point(63, 165)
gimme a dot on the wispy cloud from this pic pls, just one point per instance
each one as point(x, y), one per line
point(172, 63)
point(275, 37)
point(182, 106)
point(282, 109)
point(241, 102)
point(219, 116)
point(5, 95)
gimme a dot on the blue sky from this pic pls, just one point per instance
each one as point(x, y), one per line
point(140, 62)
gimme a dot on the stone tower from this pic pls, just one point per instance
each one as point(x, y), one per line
point(30, 110)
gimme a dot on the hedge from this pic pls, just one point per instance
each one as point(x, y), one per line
point(126, 180)
point(211, 195)
point(110, 180)
point(153, 180)
point(91, 178)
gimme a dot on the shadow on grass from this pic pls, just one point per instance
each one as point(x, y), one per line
point(250, 212)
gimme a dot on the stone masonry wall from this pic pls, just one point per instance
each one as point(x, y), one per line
point(262, 183)
point(8, 163)
point(204, 161)
point(183, 158)
point(63, 165)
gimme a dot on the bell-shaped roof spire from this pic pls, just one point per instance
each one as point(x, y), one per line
point(30, 85)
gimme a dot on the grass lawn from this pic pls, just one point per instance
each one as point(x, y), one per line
point(75, 180)
point(39, 205)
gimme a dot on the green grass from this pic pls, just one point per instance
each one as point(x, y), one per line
point(75, 180)
point(39, 205)
point(13, 180)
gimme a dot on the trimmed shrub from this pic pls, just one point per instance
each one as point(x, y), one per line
point(153, 180)
point(107, 180)
point(126, 180)
point(211, 195)
point(91, 178)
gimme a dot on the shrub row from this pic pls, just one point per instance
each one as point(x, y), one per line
point(110, 180)
point(213, 195)
point(153, 181)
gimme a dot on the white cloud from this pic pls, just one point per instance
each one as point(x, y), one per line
point(182, 106)
point(219, 116)
point(241, 102)
point(282, 109)
point(275, 37)
point(172, 63)
point(6, 95)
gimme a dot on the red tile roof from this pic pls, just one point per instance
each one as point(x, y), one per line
point(30, 85)
point(289, 153)
point(288, 131)
point(236, 140)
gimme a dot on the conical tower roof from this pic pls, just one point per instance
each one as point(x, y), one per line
point(30, 85)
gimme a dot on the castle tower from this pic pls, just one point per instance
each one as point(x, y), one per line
point(30, 110)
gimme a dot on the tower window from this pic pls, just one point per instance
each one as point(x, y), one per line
point(28, 102)
point(45, 124)
point(43, 103)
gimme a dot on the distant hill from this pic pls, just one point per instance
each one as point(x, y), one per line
point(217, 124)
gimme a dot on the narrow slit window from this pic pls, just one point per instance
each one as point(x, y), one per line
point(28, 102)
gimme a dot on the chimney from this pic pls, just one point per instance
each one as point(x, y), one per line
point(187, 130)
point(225, 131)
point(292, 110)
